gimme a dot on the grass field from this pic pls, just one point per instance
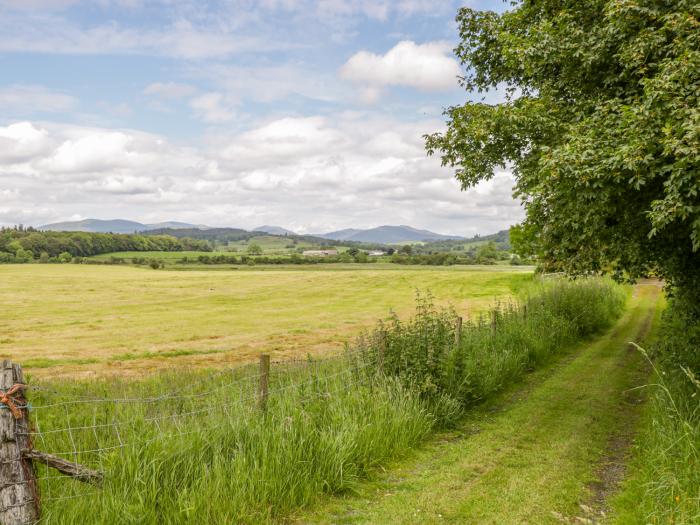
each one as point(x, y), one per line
point(167, 257)
point(97, 320)
point(187, 446)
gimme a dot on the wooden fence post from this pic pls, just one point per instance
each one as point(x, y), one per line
point(458, 332)
point(264, 380)
point(19, 492)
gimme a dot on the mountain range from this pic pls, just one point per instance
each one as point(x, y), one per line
point(380, 234)
point(387, 235)
point(114, 226)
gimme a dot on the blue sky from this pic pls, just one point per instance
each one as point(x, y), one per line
point(303, 113)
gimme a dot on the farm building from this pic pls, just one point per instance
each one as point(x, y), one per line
point(319, 253)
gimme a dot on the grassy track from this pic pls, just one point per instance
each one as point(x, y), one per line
point(80, 319)
point(558, 443)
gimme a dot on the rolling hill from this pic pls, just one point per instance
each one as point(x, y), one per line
point(114, 226)
point(387, 235)
point(274, 230)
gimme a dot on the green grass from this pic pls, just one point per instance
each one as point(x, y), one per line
point(664, 475)
point(531, 455)
point(213, 456)
point(274, 245)
point(161, 256)
point(56, 316)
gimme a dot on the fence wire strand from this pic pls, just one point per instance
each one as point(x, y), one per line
point(88, 429)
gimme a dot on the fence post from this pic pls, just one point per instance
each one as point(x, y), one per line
point(525, 311)
point(458, 332)
point(264, 380)
point(494, 321)
point(19, 492)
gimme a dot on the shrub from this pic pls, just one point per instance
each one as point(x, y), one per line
point(423, 353)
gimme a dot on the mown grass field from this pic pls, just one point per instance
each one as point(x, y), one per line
point(83, 320)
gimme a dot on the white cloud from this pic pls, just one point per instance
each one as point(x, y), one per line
point(310, 173)
point(171, 90)
point(44, 33)
point(22, 141)
point(214, 108)
point(270, 83)
point(25, 99)
point(428, 67)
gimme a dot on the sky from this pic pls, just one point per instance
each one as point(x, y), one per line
point(308, 114)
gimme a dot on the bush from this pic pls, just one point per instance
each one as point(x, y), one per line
point(516, 337)
point(23, 256)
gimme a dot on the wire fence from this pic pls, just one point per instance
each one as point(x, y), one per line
point(88, 426)
point(82, 430)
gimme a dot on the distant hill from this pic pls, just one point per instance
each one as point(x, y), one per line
point(113, 226)
point(208, 234)
point(274, 230)
point(376, 236)
point(387, 235)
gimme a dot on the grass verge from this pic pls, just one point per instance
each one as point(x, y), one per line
point(531, 455)
point(664, 482)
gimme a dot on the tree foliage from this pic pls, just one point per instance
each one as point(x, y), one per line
point(600, 126)
point(23, 244)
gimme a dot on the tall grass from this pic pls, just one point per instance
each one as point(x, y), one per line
point(492, 351)
point(183, 447)
point(664, 481)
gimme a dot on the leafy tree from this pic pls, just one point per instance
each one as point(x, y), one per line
point(361, 257)
point(254, 249)
point(23, 256)
point(487, 253)
point(406, 249)
point(600, 126)
point(64, 257)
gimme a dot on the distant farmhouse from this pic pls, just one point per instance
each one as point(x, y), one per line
point(319, 253)
point(376, 253)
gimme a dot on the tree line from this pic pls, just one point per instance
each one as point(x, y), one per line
point(20, 244)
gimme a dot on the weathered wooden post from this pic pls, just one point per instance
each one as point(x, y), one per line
point(264, 384)
point(19, 492)
point(458, 332)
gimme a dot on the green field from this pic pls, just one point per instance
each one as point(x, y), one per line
point(196, 447)
point(83, 320)
point(161, 256)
